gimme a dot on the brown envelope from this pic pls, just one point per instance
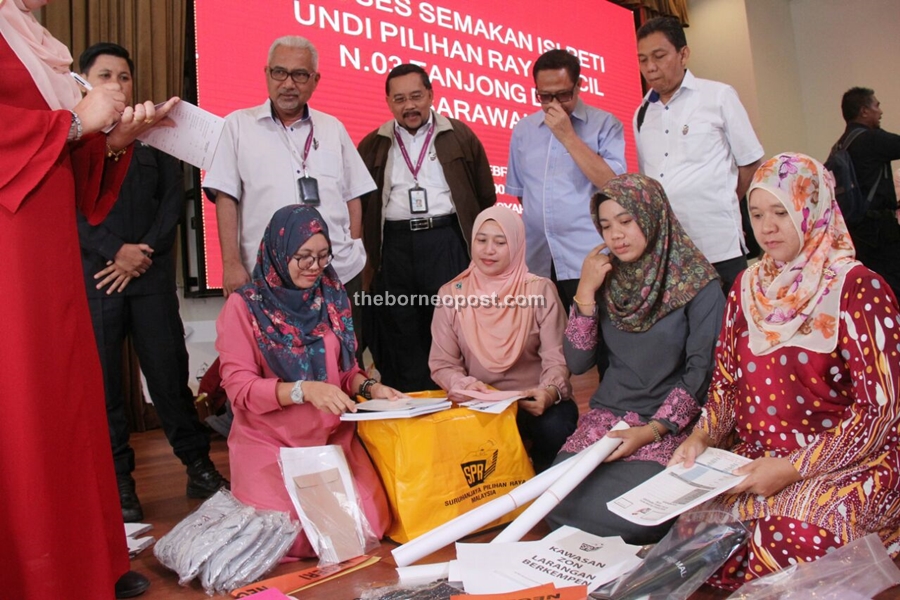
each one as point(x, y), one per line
point(321, 495)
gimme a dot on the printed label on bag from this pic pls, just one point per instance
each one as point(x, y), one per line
point(480, 464)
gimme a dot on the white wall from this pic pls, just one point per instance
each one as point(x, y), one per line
point(792, 60)
point(719, 40)
point(841, 44)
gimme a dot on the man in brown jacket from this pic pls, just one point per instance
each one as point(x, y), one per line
point(432, 178)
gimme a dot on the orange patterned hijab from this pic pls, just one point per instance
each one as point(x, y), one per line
point(797, 303)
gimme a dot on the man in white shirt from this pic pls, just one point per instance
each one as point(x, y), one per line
point(284, 152)
point(433, 178)
point(694, 136)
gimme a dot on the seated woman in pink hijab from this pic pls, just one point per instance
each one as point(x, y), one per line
point(806, 382)
point(287, 353)
point(512, 340)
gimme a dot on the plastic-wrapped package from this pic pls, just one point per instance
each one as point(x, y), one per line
point(212, 573)
point(226, 543)
point(835, 576)
point(321, 487)
point(170, 548)
point(697, 545)
point(259, 558)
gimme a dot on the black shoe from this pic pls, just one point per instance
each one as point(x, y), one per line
point(131, 584)
point(204, 480)
point(131, 506)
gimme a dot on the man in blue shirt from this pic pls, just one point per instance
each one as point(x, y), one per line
point(558, 158)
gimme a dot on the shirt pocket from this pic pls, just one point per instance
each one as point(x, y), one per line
point(326, 163)
point(697, 141)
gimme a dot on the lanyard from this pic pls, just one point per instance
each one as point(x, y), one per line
point(424, 151)
point(293, 148)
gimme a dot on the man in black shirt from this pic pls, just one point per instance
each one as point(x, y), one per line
point(129, 269)
point(877, 237)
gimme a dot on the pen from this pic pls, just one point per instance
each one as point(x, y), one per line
point(81, 81)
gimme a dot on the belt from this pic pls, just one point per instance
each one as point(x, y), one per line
point(421, 224)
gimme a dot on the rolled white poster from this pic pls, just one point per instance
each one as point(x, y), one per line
point(465, 524)
point(587, 460)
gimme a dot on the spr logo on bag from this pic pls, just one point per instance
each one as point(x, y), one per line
point(478, 465)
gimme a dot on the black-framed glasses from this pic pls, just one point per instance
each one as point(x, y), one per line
point(547, 97)
point(299, 76)
point(306, 261)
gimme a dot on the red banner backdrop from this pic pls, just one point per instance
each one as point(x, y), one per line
point(478, 54)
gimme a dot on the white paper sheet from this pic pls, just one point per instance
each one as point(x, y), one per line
point(194, 138)
point(678, 489)
point(567, 557)
point(492, 407)
point(492, 396)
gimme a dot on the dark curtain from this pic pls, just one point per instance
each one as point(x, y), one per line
point(153, 31)
point(647, 9)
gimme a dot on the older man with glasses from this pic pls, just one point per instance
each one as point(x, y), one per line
point(285, 152)
point(433, 178)
point(558, 158)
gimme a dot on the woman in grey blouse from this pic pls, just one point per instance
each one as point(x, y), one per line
point(654, 306)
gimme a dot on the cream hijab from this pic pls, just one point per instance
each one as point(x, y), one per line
point(798, 303)
point(45, 57)
point(497, 335)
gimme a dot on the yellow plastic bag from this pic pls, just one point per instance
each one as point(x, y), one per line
point(439, 466)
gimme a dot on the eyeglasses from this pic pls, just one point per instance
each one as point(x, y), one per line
point(279, 74)
point(306, 261)
point(547, 98)
point(415, 98)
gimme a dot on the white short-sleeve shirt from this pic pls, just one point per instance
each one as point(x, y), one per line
point(693, 146)
point(255, 164)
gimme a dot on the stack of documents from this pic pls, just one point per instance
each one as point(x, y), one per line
point(566, 557)
point(494, 402)
point(403, 408)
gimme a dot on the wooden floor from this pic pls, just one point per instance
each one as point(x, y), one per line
point(161, 485)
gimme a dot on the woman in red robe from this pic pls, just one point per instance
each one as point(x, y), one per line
point(60, 522)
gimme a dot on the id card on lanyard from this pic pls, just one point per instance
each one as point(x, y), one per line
point(418, 197)
point(308, 187)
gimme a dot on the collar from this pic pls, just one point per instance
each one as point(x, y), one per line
point(688, 82)
point(267, 111)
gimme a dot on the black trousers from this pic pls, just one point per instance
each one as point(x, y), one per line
point(156, 330)
point(546, 434)
point(414, 265)
point(729, 270)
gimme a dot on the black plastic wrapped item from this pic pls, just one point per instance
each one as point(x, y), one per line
point(696, 546)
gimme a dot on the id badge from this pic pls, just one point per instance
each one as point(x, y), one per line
point(309, 190)
point(418, 200)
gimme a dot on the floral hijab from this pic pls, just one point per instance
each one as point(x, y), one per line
point(670, 272)
point(290, 323)
point(797, 303)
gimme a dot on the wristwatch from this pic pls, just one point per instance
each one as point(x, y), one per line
point(297, 393)
point(75, 129)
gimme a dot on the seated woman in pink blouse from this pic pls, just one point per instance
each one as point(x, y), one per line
point(286, 346)
point(516, 347)
point(806, 382)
